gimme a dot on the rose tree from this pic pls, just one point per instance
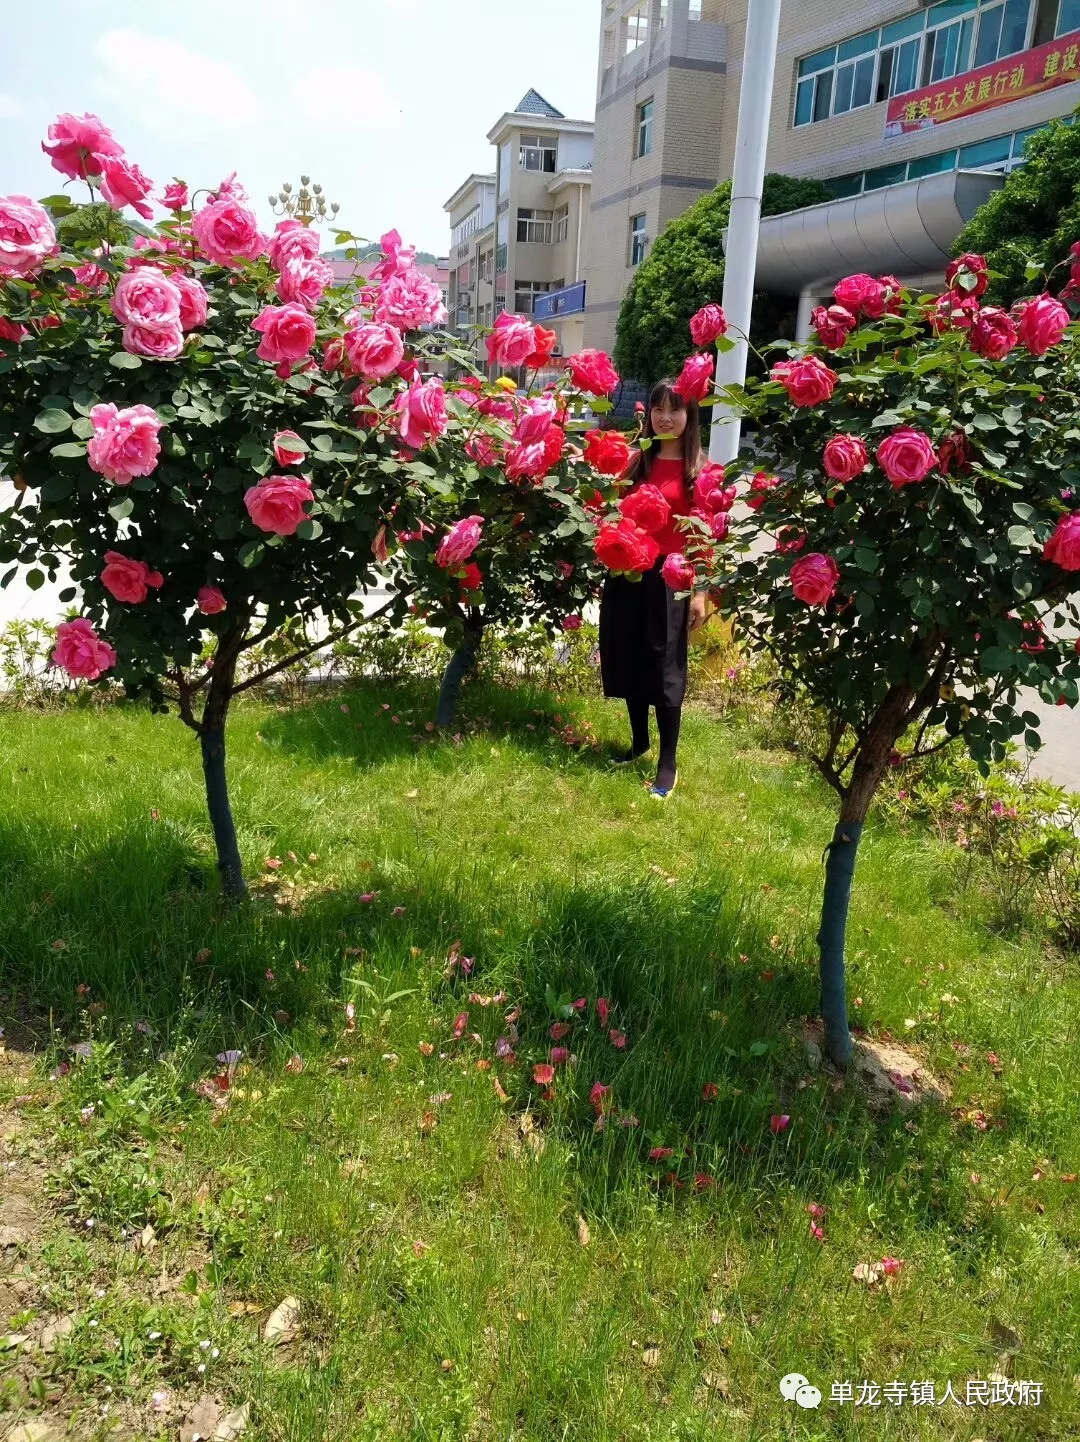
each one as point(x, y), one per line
point(919, 495)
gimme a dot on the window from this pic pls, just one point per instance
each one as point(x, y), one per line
point(534, 226)
point(695, 9)
point(539, 152)
point(484, 265)
point(636, 27)
point(1068, 17)
point(469, 226)
point(562, 223)
point(644, 128)
point(526, 291)
point(483, 315)
point(1003, 153)
point(933, 44)
point(639, 238)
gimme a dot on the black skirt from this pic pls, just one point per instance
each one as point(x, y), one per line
point(643, 639)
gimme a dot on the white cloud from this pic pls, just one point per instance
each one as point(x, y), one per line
point(168, 85)
point(10, 109)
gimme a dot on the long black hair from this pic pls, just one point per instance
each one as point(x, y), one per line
point(642, 464)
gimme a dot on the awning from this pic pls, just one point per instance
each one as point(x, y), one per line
point(903, 230)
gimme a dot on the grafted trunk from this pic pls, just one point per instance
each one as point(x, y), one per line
point(458, 667)
point(230, 867)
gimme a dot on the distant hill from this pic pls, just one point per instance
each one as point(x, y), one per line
point(424, 257)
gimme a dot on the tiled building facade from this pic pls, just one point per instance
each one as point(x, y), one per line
point(519, 235)
point(891, 102)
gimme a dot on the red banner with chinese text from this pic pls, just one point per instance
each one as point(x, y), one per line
point(1026, 74)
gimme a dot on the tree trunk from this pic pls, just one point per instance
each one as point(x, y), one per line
point(870, 766)
point(460, 664)
point(230, 867)
point(212, 742)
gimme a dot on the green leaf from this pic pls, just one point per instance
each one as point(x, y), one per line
point(309, 530)
point(566, 528)
point(83, 427)
point(1021, 536)
point(69, 448)
point(53, 422)
point(121, 509)
point(124, 361)
point(35, 579)
point(984, 422)
point(251, 553)
point(227, 526)
point(866, 559)
point(68, 594)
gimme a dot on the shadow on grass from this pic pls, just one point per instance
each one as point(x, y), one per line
point(680, 967)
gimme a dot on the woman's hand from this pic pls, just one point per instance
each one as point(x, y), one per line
point(698, 612)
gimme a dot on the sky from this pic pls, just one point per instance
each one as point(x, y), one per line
point(386, 103)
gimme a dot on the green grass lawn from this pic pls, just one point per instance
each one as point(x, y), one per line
point(430, 1228)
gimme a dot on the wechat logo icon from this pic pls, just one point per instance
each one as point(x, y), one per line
point(796, 1388)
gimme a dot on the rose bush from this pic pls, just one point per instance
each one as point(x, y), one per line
point(921, 487)
point(176, 445)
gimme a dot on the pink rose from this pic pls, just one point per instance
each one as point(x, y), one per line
point(80, 651)
point(175, 196)
point(409, 301)
point(480, 449)
point(833, 325)
point(210, 600)
point(906, 456)
point(528, 459)
point(147, 297)
point(128, 580)
point(710, 492)
point(375, 351)
point(27, 237)
point(678, 572)
point(720, 521)
point(571, 623)
point(304, 280)
point(193, 301)
point(512, 341)
point(277, 503)
point(708, 324)
point(1063, 547)
point(845, 457)
point(153, 341)
point(397, 258)
point(91, 277)
point(808, 380)
point(862, 295)
point(123, 183)
point(695, 378)
point(125, 442)
point(287, 331)
point(293, 240)
point(11, 330)
point(814, 578)
point(79, 143)
point(968, 273)
point(954, 310)
point(1043, 323)
point(994, 333)
point(592, 371)
point(286, 454)
point(422, 412)
point(227, 232)
point(536, 419)
point(460, 541)
point(647, 507)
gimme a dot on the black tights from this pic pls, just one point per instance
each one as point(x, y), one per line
point(668, 721)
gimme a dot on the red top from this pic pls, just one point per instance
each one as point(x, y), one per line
point(667, 476)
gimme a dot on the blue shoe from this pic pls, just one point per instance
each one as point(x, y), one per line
point(661, 793)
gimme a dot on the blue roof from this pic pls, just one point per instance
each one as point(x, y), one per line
point(534, 104)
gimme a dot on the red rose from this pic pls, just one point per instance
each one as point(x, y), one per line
point(994, 333)
point(646, 507)
point(1063, 547)
point(906, 456)
point(845, 458)
point(808, 381)
point(623, 546)
point(472, 578)
point(695, 378)
point(607, 451)
point(709, 323)
point(760, 487)
point(1043, 323)
point(862, 295)
point(968, 273)
point(833, 325)
point(954, 448)
point(954, 311)
point(545, 344)
point(814, 578)
point(592, 371)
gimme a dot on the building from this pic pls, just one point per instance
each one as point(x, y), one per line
point(911, 113)
point(519, 236)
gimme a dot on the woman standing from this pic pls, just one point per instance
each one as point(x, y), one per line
point(643, 628)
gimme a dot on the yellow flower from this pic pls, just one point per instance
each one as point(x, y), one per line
point(505, 383)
